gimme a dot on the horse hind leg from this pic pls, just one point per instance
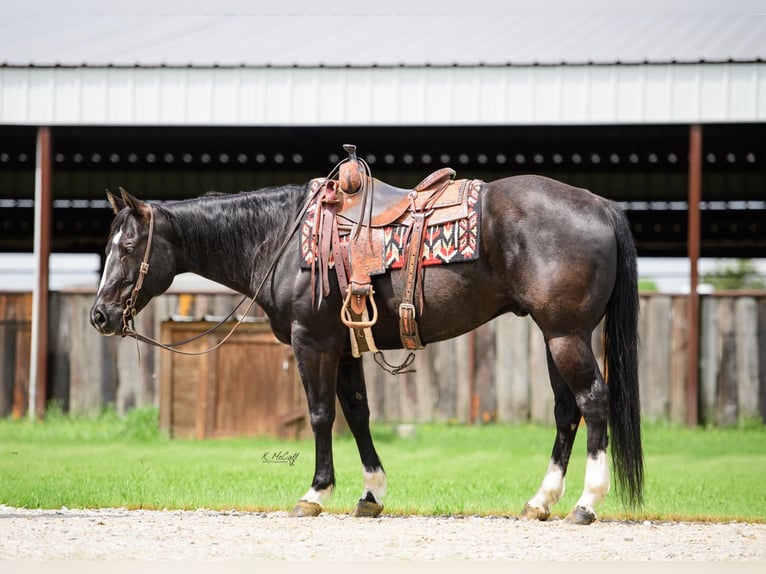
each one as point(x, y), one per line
point(572, 357)
point(352, 395)
point(567, 415)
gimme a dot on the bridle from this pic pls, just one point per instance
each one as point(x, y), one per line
point(129, 312)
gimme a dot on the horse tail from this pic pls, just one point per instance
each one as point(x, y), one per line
point(621, 366)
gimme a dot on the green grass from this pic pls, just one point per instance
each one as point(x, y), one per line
point(109, 461)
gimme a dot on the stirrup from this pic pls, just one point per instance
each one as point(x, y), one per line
point(347, 317)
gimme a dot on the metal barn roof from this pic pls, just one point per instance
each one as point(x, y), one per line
point(382, 40)
point(309, 69)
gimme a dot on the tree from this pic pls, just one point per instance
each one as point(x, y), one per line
point(646, 285)
point(741, 274)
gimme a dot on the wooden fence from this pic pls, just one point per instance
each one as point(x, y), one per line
point(496, 373)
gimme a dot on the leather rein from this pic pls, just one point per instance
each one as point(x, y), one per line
point(129, 312)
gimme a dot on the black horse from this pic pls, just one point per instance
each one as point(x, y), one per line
point(560, 254)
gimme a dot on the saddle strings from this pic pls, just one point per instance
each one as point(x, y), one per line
point(365, 212)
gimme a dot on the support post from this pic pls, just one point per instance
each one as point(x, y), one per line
point(38, 360)
point(693, 245)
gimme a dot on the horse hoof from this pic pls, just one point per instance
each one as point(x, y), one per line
point(535, 513)
point(305, 508)
point(367, 509)
point(580, 515)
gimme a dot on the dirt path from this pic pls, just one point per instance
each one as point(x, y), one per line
point(119, 534)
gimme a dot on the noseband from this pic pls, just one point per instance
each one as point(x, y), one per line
point(129, 313)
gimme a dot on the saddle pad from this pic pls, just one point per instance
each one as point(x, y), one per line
point(448, 242)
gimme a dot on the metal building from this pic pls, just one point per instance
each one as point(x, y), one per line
point(665, 113)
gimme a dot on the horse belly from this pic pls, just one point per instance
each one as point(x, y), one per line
point(456, 299)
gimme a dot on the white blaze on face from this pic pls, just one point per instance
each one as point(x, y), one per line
point(111, 260)
point(596, 481)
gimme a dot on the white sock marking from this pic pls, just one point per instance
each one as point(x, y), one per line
point(374, 483)
point(596, 481)
point(551, 490)
point(316, 496)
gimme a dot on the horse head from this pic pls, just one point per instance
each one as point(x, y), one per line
point(139, 264)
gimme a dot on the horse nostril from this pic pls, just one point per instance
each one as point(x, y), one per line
point(98, 318)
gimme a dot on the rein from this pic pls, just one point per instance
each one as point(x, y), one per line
point(129, 313)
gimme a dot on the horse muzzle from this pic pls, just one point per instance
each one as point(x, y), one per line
point(104, 321)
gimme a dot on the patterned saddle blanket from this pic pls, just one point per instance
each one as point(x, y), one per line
point(451, 236)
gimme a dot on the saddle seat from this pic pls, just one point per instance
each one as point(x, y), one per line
point(392, 204)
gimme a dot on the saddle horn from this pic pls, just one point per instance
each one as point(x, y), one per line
point(350, 172)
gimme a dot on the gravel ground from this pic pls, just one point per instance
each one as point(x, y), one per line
point(116, 534)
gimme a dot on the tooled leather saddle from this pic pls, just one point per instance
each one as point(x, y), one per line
point(347, 233)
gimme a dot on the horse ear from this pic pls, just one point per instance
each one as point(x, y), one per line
point(136, 205)
point(116, 202)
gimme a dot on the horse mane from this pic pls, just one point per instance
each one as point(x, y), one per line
point(259, 218)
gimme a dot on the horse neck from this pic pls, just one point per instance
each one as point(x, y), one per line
point(233, 239)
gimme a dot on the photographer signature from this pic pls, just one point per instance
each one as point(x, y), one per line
point(280, 457)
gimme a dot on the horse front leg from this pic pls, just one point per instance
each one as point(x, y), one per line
point(318, 371)
point(352, 395)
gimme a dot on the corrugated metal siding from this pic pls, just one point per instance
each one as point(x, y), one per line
point(384, 96)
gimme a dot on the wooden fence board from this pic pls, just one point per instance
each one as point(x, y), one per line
point(462, 392)
point(424, 386)
point(679, 362)
point(129, 355)
point(445, 379)
point(511, 368)
point(655, 390)
point(21, 375)
point(762, 357)
point(407, 397)
point(726, 390)
point(746, 332)
point(15, 351)
point(540, 392)
point(384, 389)
point(375, 395)
point(7, 366)
point(147, 390)
point(644, 361)
point(85, 366)
point(708, 365)
point(10, 339)
point(484, 373)
point(59, 350)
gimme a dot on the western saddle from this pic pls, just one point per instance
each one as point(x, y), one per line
point(360, 206)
